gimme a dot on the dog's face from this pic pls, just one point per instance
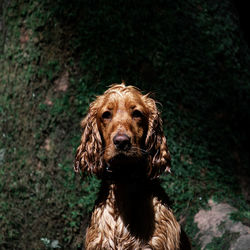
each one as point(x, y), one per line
point(123, 126)
point(123, 123)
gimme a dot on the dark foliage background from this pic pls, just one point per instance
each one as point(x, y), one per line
point(57, 55)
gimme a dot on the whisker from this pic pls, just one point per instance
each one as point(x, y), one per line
point(104, 149)
point(133, 149)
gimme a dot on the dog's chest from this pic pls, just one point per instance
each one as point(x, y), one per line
point(122, 222)
point(114, 233)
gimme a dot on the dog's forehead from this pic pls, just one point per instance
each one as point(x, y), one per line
point(126, 99)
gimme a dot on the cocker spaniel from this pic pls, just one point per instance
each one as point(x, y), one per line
point(123, 144)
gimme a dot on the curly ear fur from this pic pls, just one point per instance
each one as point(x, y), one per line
point(88, 155)
point(156, 143)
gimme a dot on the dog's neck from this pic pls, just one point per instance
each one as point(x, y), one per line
point(129, 190)
point(133, 201)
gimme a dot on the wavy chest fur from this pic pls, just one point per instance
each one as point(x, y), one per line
point(131, 216)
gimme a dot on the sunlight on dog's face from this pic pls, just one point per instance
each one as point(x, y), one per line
point(122, 121)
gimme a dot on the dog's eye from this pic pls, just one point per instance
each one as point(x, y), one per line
point(106, 115)
point(137, 114)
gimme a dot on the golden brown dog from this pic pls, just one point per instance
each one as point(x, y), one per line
point(124, 145)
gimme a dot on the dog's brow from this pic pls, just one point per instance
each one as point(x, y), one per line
point(117, 92)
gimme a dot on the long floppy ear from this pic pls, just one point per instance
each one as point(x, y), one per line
point(156, 143)
point(88, 155)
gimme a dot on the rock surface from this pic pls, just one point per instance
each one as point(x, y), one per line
point(215, 222)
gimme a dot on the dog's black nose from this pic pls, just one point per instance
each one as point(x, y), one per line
point(122, 141)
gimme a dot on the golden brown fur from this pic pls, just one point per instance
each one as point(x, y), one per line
point(124, 145)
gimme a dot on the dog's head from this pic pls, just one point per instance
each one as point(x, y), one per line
point(122, 126)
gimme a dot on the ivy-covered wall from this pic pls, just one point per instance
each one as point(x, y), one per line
point(55, 56)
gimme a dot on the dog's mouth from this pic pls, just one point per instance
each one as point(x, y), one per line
point(124, 164)
point(123, 158)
